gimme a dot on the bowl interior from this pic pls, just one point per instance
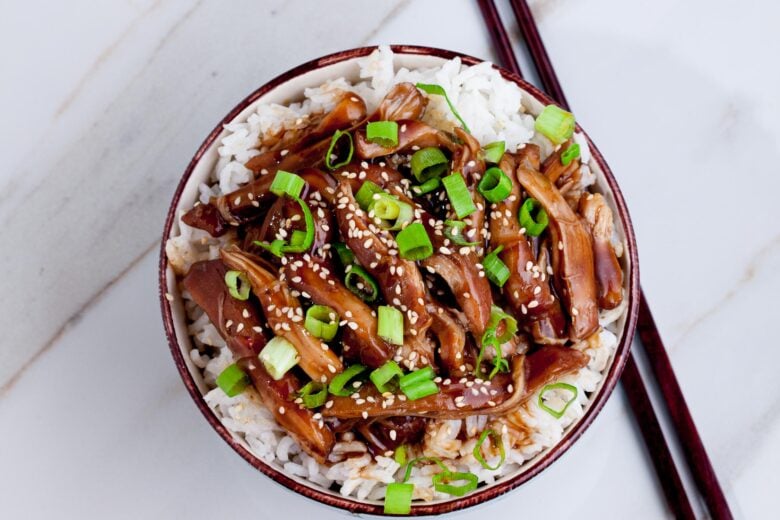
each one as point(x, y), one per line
point(289, 88)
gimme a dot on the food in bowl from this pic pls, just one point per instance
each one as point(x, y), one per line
point(402, 288)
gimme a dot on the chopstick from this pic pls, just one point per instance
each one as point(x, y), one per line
point(650, 428)
point(696, 456)
point(499, 36)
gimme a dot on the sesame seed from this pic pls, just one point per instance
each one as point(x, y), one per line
point(364, 415)
point(281, 410)
point(169, 297)
point(533, 304)
point(393, 434)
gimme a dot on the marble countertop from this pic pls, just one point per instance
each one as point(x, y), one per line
point(104, 104)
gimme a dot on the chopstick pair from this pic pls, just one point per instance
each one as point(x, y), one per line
point(695, 454)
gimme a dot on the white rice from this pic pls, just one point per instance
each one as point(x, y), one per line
point(492, 107)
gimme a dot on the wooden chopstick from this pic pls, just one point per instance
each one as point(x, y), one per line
point(695, 454)
point(639, 400)
point(650, 428)
point(499, 36)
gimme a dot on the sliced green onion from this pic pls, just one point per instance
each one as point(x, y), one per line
point(414, 462)
point(427, 186)
point(413, 242)
point(399, 455)
point(275, 247)
point(232, 380)
point(419, 384)
point(417, 376)
point(557, 386)
point(555, 124)
point(237, 284)
point(494, 151)
point(286, 183)
point(322, 322)
point(390, 324)
point(332, 150)
point(571, 153)
point(278, 357)
point(533, 224)
point(338, 385)
point(313, 394)
point(420, 390)
point(384, 376)
point(438, 90)
point(392, 213)
point(499, 363)
point(365, 195)
point(361, 283)
point(304, 239)
point(428, 163)
point(459, 195)
point(495, 186)
point(495, 270)
point(453, 229)
point(398, 498)
point(497, 442)
point(383, 133)
point(345, 254)
point(442, 482)
point(498, 316)
point(298, 238)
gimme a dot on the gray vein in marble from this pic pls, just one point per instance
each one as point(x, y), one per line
point(73, 319)
point(749, 447)
point(103, 58)
point(399, 7)
point(748, 275)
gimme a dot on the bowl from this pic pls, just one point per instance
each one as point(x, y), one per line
point(289, 87)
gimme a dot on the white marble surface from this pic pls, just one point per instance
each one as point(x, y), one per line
point(104, 104)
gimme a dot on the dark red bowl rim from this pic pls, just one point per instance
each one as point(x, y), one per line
point(482, 495)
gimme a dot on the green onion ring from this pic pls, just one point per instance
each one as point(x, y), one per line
point(338, 383)
point(237, 284)
point(497, 441)
point(314, 394)
point(428, 163)
point(357, 276)
point(534, 226)
point(333, 143)
point(441, 482)
point(495, 185)
point(555, 386)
